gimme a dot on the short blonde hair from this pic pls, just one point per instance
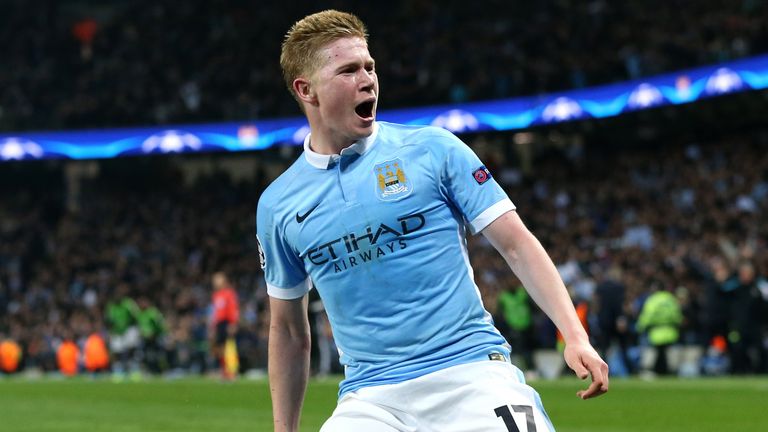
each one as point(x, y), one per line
point(309, 35)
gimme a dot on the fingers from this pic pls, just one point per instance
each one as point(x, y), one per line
point(581, 371)
point(598, 369)
point(586, 362)
point(594, 390)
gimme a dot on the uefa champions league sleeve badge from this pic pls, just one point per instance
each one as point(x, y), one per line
point(392, 182)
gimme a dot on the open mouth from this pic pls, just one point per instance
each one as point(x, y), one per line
point(365, 109)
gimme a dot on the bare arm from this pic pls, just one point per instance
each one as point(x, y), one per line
point(530, 262)
point(289, 344)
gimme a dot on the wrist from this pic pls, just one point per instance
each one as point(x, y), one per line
point(576, 335)
point(286, 426)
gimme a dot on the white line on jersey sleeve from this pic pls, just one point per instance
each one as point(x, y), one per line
point(290, 293)
point(491, 214)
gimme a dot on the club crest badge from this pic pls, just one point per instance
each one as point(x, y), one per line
point(392, 182)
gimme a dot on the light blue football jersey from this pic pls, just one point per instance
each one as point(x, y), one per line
point(380, 232)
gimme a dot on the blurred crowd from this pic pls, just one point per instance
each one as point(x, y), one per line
point(683, 221)
point(142, 238)
point(81, 64)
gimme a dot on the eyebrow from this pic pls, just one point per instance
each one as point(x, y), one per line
point(355, 63)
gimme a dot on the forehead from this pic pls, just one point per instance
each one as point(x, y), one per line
point(343, 50)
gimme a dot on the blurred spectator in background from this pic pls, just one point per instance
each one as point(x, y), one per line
point(68, 357)
point(10, 356)
point(225, 316)
point(152, 328)
point(84, 31)
point(660, 319)
point(613, 325)
point(745, 342)
point(124, 335)
point(516, 323)
point(95, 354)
point(715, 309)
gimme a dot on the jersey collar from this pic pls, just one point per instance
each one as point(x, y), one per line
point(323, 161)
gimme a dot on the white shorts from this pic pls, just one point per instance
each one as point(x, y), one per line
point(487, 396)
point(131, 339)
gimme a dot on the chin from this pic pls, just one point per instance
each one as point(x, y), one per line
point(364, 130)
point(368, 123)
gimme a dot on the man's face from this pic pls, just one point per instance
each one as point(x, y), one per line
point(746, 274)
point(218, 280)
point(347, 90)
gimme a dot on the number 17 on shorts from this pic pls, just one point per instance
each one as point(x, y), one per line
point(509, 420)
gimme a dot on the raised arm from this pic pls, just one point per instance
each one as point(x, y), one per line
point(535, 269)
point(289, 345)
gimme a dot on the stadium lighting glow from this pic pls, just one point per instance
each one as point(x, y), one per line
point(674, 88)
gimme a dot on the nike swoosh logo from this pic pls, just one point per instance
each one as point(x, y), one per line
point(300, 218)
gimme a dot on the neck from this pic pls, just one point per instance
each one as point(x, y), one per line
point(324, 142)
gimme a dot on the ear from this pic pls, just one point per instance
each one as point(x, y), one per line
point(304, 90)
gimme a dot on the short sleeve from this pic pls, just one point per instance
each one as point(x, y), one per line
point(469, 185)
point(283, 269)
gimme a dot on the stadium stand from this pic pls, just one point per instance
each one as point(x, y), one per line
point(89, 63)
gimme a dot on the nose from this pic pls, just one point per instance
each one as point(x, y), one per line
point(367, 80)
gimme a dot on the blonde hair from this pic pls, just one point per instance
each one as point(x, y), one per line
point(309, 35)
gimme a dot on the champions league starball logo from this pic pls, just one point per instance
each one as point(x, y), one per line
point(456, 121)
point(724, 80)
point(19, 148)
point(562, 109)
point(645, 96)
point(171, 141)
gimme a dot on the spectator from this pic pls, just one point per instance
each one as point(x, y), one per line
point(225, 317)
point(152, 328)
point(516, 323)
point(68, 357)
point(10, 356)
point(124, 335)
point(613, 324)
point(745, 343)
point(95, 354)
point(660, 318)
